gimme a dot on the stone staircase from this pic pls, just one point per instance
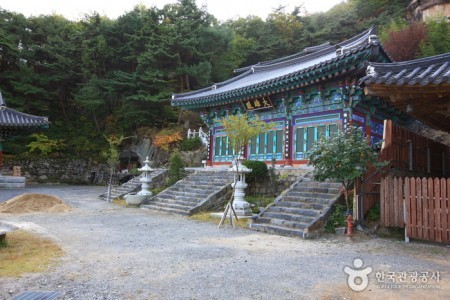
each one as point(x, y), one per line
point(198, 191)
point(132, 185)
point(299, 210)
point(12, 182)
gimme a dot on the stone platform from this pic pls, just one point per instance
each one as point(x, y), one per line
point(12, 182)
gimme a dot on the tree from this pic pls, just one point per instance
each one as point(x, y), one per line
point(176, 168)
point(344, 157)
point(438, 40)
point(44, 145)
point(403, 41)
point(112, 157)
point(240, 129)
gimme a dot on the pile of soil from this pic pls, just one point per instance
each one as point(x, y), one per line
point(27, 203)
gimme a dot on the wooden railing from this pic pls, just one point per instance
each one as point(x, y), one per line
point(421, 205)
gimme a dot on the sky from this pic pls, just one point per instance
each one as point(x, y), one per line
point(221, 9)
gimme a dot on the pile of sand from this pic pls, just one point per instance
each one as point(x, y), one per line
point(27, 203)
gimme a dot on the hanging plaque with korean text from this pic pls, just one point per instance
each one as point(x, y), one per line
point(257, 103)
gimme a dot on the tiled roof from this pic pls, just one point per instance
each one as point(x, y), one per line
point(307, 66)
point(424, 71)
point(305, 51)
point(13, 118)
point(420, 88)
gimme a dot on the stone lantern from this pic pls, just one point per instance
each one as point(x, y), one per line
point(241, 206)
point(145, 178)
point(134, 199)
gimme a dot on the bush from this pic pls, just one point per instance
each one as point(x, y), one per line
point(259, 169)
point(258, 201)
point(337, 219)
point(176, 169)
point(191, 144)
point(374, 213)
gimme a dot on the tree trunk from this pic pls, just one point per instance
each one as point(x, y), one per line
point(96, 122)
point(188, 86)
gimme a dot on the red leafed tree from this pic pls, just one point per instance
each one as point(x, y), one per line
point(403, 43)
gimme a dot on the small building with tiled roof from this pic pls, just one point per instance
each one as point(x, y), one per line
point(12, 120)
point(306, 95)
point(418, 87)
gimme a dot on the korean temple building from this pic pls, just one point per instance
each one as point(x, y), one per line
point(306, 95)
point(12, 121)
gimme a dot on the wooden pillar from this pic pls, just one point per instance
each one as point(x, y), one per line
point(368, 128)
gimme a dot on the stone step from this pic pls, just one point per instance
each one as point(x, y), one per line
point(165, 210)
point(303, 205)
point(188, 184)
point(190, 192)
point(280, 230)
point(196, 189)
point(305, 200)
point(164, 198)
point(169, 205)
point(168, 196)
point(175, 193)
point(279, 218)
point(335, 185)
point(131, 185)
point(209, 177)
point(301, 194)
point(182, 202)
point(297, 211)
point(294, 211)
point(315, 189)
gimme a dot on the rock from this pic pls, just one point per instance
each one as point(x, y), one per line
point(65, 177)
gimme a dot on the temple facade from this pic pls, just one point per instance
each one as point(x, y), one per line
point(306, 95)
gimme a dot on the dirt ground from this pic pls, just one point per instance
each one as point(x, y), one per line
point(114, 252)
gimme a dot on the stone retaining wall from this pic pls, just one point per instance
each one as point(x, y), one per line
point(283, 178)
point(72, 171)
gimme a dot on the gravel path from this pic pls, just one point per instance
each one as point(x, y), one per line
point(113, 252)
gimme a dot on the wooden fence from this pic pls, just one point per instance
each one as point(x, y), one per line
point(419, 204)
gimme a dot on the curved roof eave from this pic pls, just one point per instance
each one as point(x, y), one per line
point(271, 73)
point(14, 119)
point(428, 70)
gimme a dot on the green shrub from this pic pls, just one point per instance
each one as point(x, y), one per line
point(258, 201)
point(191, 144)
point(374, 213)
point(176, 169)
point(259, 170)
point(133, 171)
point(337, 219)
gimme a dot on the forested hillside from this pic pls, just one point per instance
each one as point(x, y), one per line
point(98, 76)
